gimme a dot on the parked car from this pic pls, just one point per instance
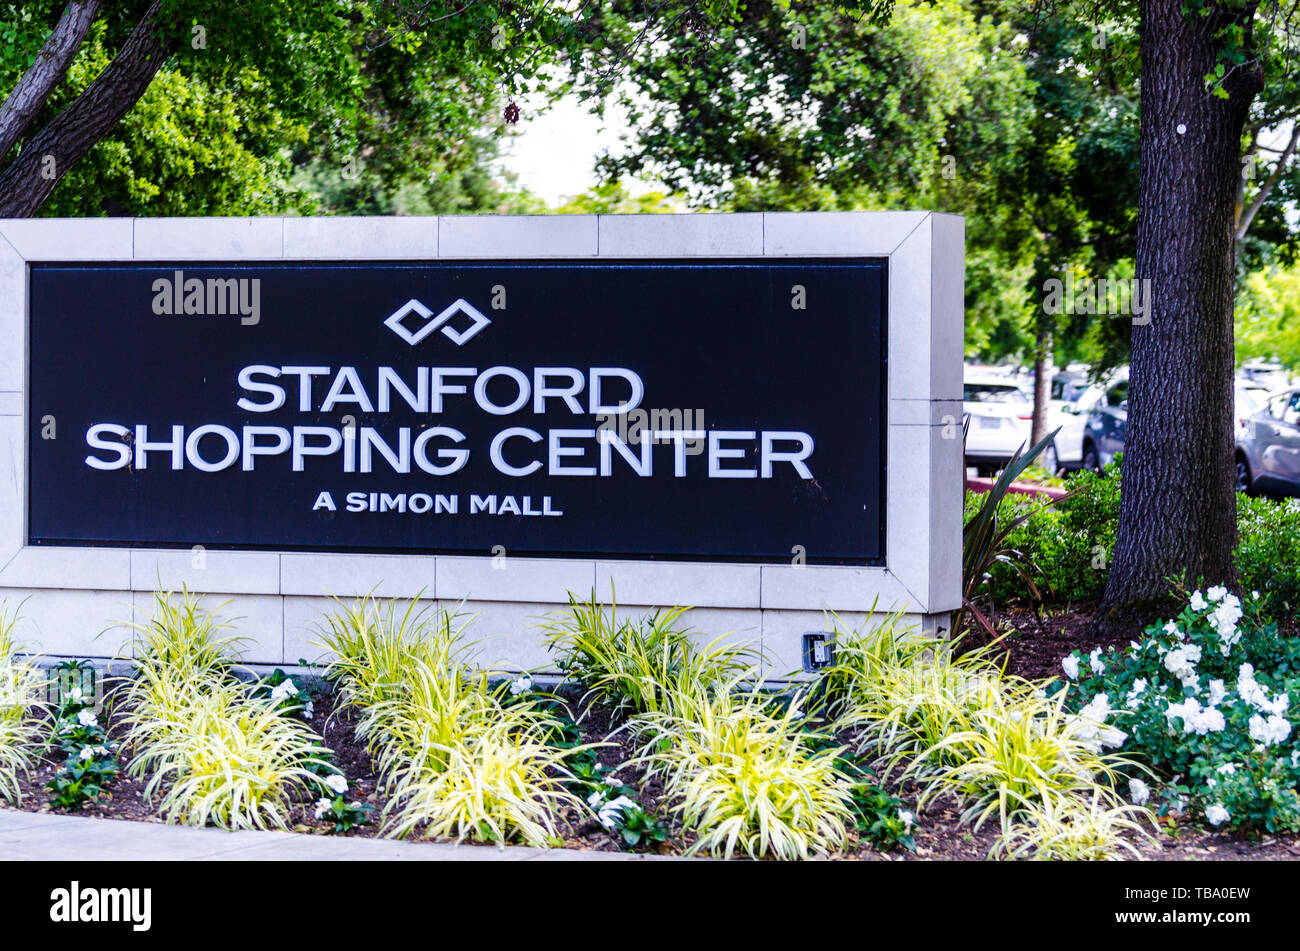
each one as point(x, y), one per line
point(1271, 376)
point(998, 413)
point(1268, 452)
point(1072, 397)
point(1248, 397)
point(1107, 422)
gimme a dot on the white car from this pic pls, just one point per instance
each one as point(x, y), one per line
point(1071, 398)
point(998, 415)
point(1249, 397)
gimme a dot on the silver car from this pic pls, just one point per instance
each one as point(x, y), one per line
point(1268, 448)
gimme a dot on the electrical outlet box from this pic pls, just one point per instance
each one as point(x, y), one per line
point(818, 650)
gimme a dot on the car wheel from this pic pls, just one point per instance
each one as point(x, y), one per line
point(1090, 460)
point(1243, 474)
point(1050, 462)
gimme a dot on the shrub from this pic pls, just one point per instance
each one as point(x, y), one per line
point(1268, 552)
point(743, 777)
point(497, 782)
point(639, 664)
point(1205, 701)
point(957, 725)
point(1071, 541)
point(232, 761)
point(458, 756)
point(898, 693)
point(375, 642)
point(184, 639)
point(212, 752)
point(1012, 753)
point(1074, 828)
point(21, 704)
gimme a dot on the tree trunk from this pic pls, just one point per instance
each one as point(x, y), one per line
point(46, 157)
point(1178, 507)
point(1042, 381)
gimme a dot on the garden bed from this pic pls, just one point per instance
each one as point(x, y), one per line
point(939, 836)
point(655, 743)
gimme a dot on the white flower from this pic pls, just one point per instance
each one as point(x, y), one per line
point(609, 812)
point(521, 685)
point(1250, 690)
point(1273, 730)
point(1216, 593)
point(284, 688)
point(1254, 595)
point(1182, 661)
point(87, 752)
point(612, 781)
point(1218, 690)
point(595, 799)
point(1196, 719)
point(1217, 815)
point(1070, 665)
point(1227, 769)
point(74, 694)
point(1134, 696)
point(337, 783)
point(87, 718)
point(1224, 619)
point(1094, 661)
point(1198, 602)
point(1090, 728)
point(1138, 792)
point(906, 818)
point(1172, 628)
point(308, 710)
point(322, 806)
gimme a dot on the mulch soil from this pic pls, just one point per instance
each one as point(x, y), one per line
point(1033, 649)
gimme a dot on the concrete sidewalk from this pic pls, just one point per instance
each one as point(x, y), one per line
point(30, 836)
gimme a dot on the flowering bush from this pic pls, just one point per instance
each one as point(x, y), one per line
point(1204, 701)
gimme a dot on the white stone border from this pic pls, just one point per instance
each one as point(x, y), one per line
point(925, 331)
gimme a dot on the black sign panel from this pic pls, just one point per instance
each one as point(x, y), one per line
point(709, 410)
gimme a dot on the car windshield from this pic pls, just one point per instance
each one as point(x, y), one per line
point(994, 393)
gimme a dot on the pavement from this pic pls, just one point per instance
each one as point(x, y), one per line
point(32, 836)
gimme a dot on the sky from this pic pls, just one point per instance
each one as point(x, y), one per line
point(554, 152)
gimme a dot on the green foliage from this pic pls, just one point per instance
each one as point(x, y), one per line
point(373, 642)
point(343, 816)
point(21, 707)
point(457, 759)
point(744, 779)
point(1071, 542)
point(880, 818)
point(183, 639)
point(350, 109)
point(213, 753)
point(956, 725)
point(1075, 829)
point(639, 664)
point(1205, 701)
point(232, 761)
point(1268, 316)
point(984, 543)
point(1268, 552)
point(613, 198)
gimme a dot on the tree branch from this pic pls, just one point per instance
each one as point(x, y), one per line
point(47, 72)
point(1244, 220)
point(48, 155)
